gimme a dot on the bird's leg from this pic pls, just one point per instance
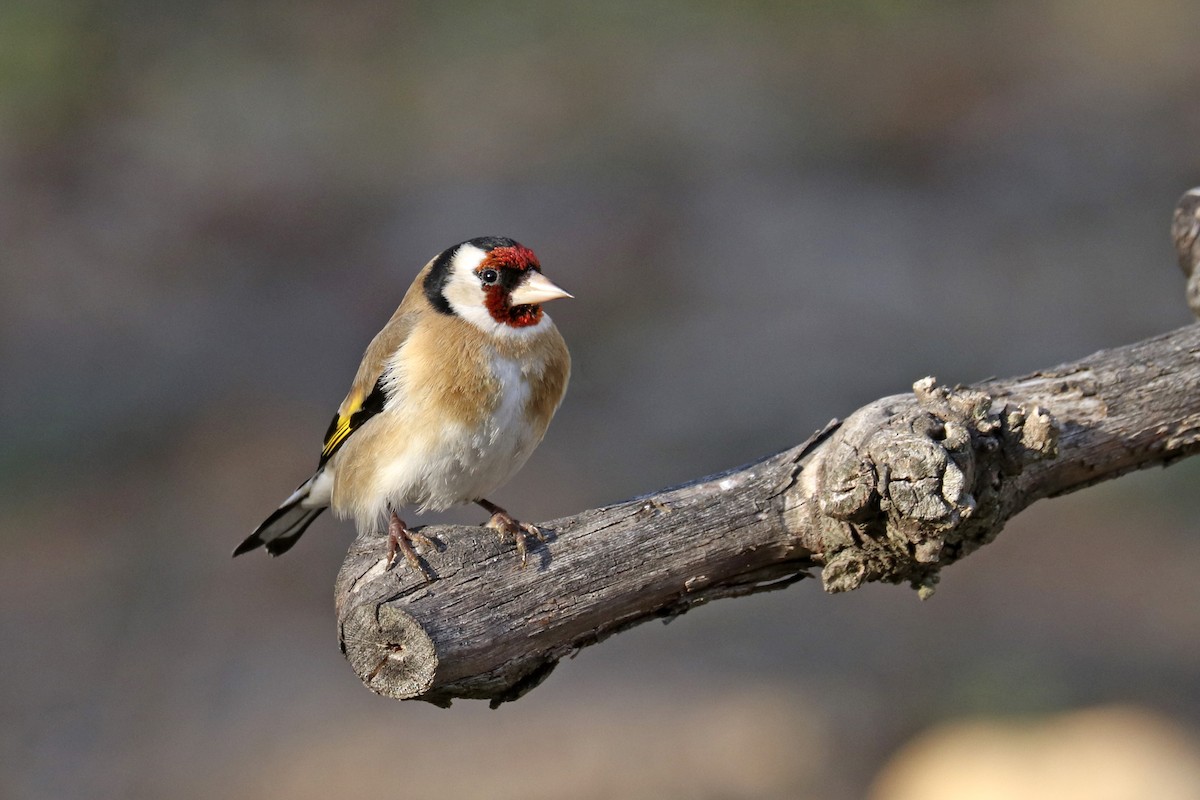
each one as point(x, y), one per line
point(400, 540)
point(503, 523)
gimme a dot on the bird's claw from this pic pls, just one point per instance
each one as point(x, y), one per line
point(400, 540)
point(520, 532)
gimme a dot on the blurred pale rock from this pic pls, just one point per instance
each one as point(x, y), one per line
point(1109, 753)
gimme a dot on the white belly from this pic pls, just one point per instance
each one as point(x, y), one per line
point(451, 464)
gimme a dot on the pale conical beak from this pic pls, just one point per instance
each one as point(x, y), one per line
point(535, 289)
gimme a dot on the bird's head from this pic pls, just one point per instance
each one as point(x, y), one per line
point(495, 283)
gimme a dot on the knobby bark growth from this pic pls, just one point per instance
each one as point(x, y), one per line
point(899, 490)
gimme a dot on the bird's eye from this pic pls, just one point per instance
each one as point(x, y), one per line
point(489, 276)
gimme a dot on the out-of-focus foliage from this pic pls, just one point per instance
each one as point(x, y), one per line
point(769, 212)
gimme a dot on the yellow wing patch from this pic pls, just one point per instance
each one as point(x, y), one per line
point(339, 434)
point(340, 428)
point(356, 409)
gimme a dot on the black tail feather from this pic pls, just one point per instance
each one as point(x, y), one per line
point(281, 530)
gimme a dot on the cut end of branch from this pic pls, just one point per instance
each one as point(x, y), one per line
point(389, 650)
point(387, 628)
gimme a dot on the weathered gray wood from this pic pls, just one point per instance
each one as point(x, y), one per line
point(902, 488)
point(488, 628)
point(1185, 230)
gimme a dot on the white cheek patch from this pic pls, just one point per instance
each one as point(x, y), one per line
point(462, 289)
point(464, 293)
point(465, 296)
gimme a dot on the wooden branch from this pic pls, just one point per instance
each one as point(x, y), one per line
point(904, 487)
point(1185, 230)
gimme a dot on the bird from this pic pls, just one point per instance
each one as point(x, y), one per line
point(451, 398)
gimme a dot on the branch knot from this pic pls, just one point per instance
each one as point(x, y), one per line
point(911, 483)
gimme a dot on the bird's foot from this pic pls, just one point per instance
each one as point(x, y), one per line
point(400, 540)
point(520, 532)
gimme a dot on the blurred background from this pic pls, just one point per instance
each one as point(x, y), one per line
point(770, 213)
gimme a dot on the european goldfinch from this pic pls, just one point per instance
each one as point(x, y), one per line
point(450, 399)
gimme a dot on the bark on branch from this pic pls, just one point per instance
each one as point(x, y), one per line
point(902, 488)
